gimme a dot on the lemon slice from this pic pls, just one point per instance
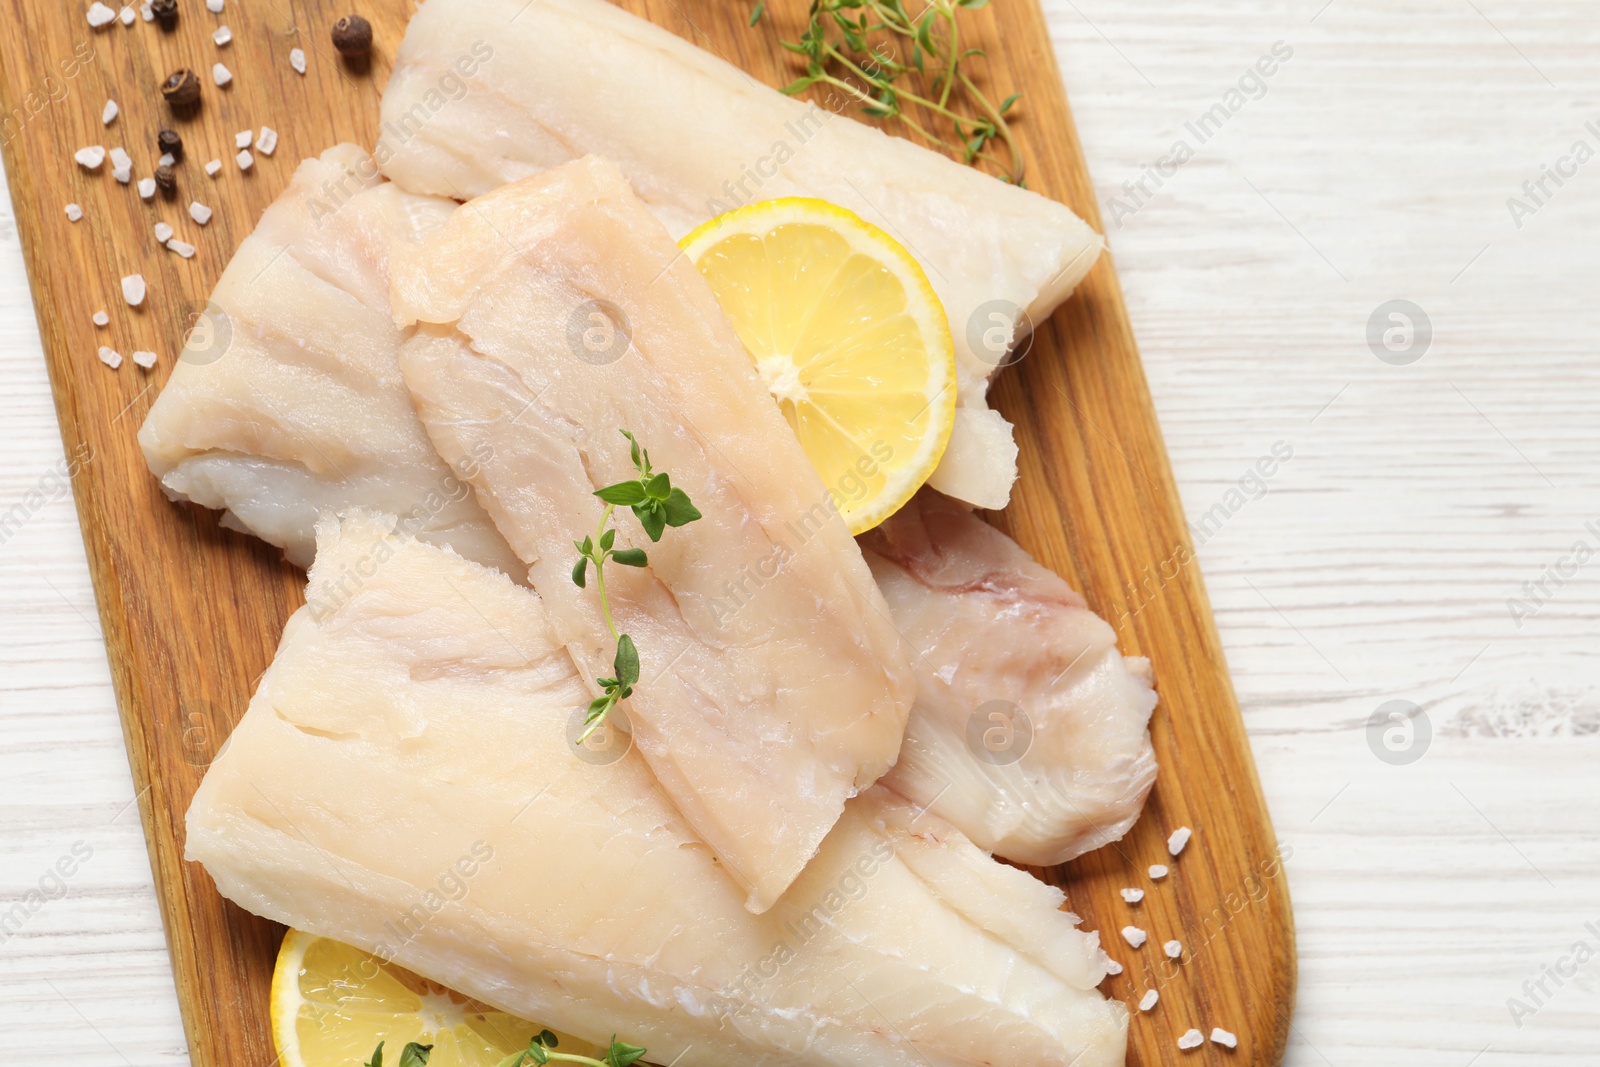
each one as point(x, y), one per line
point(849, 337)
point(332, 1004)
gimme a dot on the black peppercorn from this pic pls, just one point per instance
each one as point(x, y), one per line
point(164, 11)
point(181, 89)
point(166, 179)
point(352, 36)
point(170, 144)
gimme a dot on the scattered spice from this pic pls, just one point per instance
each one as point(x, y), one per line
point(183, 248)
point(243, 138)
point(146, 14)
point(133, 289)
point(1149, 999)
point(1219, 1036)
point(120, 158)
point(221, 74)
point(244, 159)
point(1112, 966)
point(1173, 949)
point(163, 232)
point(145, 359)
point(127, 16)
point(170, 144)
point(108, 113)
point(1134, 936)
point(165, 11)
point(297, 60)
point(110, 357)
point(352, 36)
point(1179, 838)
point(100, 15)
point(181, 89)
point(1158, 871)
point(102, 319)
point(267, 141)
point(74, 212)
point(199, 212)
point(222, 36)
point(214, 6)
point(1191, 1039)
point(213, 166)
point(90, 158)
point(166, 160)
point(1133, 896)
point(166, 179)
point(147, 188)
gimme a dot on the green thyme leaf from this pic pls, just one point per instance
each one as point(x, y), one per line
point(630, 557)
point(623, 494)
point(622, 1054)
point(377, 1057)
point(626, 663)
point(579, 572)
point(761, 9)
point(415, 1055)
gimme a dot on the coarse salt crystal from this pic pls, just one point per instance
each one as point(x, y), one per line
point(244, 159)
point(102, 319)
point(1149, 999)
point(1133, 896)
point(133, 289)
point(122, 174)
point(1219, 1036)
point(1179, 838)
point(199, 212)
point(101, 15)
point(147, 12)
point(1173, 949)
point(1133, 935)
point(183, 248)
point(110, 357)
point(145, 359)
point(127, 15)
point(267, 141)
point(1191, 1039)
point(120, 159)
point(222, 36)
point(1158, 871)
point(147, 188)
point(214, 166)
point(243, 138)
point(166, 160)
point(297, 60)
point(90, 158)
point(214, 6)
point(108, 113)
point(163, 232)
point(1112, 966)
point(74, 212)
point(221, 75)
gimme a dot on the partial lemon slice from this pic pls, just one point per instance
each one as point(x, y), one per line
point(848, 336)
point(332, 1004)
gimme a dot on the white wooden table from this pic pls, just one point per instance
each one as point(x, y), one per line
point(1377, 564)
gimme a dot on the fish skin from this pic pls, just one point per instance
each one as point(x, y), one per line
point(995, 630)
point(773, 684)
point(555, 80)
point(304, 409)
point(415, 729)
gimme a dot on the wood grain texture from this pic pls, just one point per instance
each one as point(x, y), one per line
point(191, 613)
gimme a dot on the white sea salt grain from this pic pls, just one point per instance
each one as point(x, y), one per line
point(102, 319)
point(110, 357)
point(122, 174)
point(267, 141)
point(221, 75)
point(1133, 896)
point(214, 166)
point(1179, 838)
point(147, 12)
point(1158, 871)
point(1173, 949)
point(127, 16)
point(199, 212)
point(297, 60)
point(147, 188)
point(133, 289)
point(108, 113)
point(100, 15)
point(74, 212)
point(1191, 1039)
point(1219, 1036)
point(244, 159)
point(243, 138)
point(163, 232)
point(214, 6)
point(1134, 936)
point(222, 36)
point(120, 159)
point(90, 158)
point(145, 359)
point(183, 248)
point(1113, 967)
point(1149, 999)
point(166, 160)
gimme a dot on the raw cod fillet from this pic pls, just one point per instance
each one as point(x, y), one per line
point(996, 632)
point(773, 683)
point(420, 722)
point(489, 91)
point(287, 399)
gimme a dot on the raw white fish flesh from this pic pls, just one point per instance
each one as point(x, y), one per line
point(488, 91)
point(773, 683)
point(1030, 731)
point(418, 722)
point(287, 399)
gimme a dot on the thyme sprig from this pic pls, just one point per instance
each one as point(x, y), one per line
point(413, 1055)
point(657, 504)
point(541, 1050)
point(851, 45)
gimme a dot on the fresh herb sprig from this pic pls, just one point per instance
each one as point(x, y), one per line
point(413, 1055)
point(845, 48)
point(657, 504)
point(541, 1050)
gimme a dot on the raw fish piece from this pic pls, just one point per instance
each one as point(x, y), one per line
point(996, 633)
point(401, 782)
point(488, 91)
point(773, 683)
point(287, 399)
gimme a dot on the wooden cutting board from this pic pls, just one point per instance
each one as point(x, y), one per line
point(192, 612)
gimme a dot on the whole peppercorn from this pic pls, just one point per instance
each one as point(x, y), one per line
point(181, 89)
point(166, 180)
point(352, 36)
point(170, 144)
point(165, 11)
